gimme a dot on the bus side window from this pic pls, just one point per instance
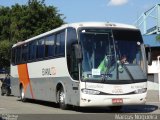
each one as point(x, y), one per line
point(18, 55)
point(49, 46)
point(71, 60)
point(32, 51)
point(40, 48)
point(24, 53)
point(60, 43)
point(74, 64)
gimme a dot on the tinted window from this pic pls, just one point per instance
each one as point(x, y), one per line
point(71, 59)
point(71, 38)
point(49, 46)
point(40, 48)
point(18, 55)
point(32, 50)
point(62, 50)
point(24, 53)
point(60, 43)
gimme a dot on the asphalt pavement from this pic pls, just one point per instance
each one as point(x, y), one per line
point(11, 108)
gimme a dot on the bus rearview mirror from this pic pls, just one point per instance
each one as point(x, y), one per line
point(78, 52)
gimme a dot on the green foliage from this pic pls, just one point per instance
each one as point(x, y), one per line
point(20, 22)
point(5, 46)
point(158, 37)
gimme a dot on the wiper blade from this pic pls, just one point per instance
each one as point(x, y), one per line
point(129, 73)
point(103, 79)
point(106, 76)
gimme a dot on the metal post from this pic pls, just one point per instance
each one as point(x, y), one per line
point(143, 20)
point(144, 24)
point(159, 76)
point(158, 18)
point(159, 84)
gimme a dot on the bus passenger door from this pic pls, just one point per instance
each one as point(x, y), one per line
point(73, 67)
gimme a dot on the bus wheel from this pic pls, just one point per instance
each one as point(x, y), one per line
point(23, 99)
point(62, 98)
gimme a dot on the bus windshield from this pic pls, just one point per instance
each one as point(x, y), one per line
point(112, 54)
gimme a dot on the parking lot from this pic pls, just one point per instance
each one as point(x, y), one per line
point(12, 106)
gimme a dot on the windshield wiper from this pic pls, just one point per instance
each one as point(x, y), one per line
point(103, 78)
point(129, 73)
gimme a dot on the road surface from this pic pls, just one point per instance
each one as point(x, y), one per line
point(10, 105)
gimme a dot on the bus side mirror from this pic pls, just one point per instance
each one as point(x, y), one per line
point(78, 51)
point(149, 58)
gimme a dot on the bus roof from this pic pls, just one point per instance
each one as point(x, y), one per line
point(77, 25)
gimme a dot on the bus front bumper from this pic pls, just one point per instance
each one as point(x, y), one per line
point(114, 100)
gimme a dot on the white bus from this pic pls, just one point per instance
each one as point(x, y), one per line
point(90, 64)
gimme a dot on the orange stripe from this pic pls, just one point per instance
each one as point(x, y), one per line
point(24, 77)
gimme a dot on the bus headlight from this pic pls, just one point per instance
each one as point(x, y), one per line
point(89, 91)
point(139, 91)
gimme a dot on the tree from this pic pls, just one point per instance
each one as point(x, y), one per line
point(20, 22)
point(158, 37)
point(5, 53)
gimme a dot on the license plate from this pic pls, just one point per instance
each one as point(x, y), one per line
point(117, 101)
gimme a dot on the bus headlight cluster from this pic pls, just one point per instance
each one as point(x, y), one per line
point(139, 91)
point(89, 91)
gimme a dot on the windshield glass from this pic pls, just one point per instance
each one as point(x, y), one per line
point(111, 54)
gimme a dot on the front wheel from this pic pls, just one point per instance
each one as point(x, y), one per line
point(62, 99)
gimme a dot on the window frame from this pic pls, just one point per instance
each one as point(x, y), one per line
point(32, 46)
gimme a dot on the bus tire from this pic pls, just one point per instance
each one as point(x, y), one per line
point(62, 99)
point(22, 96)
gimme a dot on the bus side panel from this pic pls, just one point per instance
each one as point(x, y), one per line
point(44, 77)
point(45, 89)
point(14, 81)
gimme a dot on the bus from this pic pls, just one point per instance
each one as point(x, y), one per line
point(88, 64)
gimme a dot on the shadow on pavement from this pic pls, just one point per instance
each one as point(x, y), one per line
point(39, 102)
point(125, 109)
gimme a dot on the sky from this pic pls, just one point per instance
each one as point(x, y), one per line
point(121, 11)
